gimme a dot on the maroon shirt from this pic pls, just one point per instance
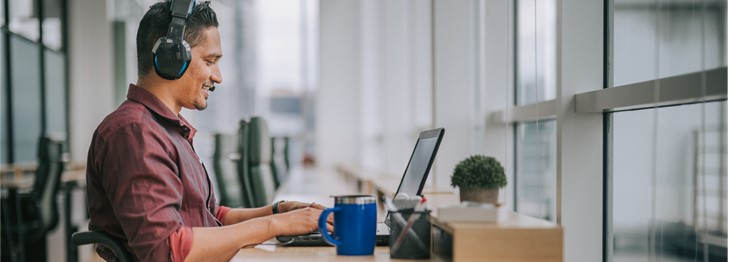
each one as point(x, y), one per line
point(144, 179)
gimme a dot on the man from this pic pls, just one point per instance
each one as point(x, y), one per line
point(146, 184)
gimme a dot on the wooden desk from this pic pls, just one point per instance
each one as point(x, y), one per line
point(518, 238)
point(313, 185)
point(318, 254)
point(21, 177)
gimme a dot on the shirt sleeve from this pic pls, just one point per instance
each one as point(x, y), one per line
point(181, 243)
point(139, 175)
point(221, 213)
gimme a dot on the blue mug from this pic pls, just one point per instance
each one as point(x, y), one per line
point(355, 224)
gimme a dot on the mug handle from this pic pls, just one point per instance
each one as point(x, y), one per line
point(323, 226)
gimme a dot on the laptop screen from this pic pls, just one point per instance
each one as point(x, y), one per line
point(420, 162)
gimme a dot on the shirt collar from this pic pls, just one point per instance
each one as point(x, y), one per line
point(150, 101)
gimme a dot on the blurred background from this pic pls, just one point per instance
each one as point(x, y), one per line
point(608, 116)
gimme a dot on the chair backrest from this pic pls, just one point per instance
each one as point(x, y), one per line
point(259, 162)
point(51, 164)
point(279, 167)
point(246, 189)
point(226, 174)
point(287, 145)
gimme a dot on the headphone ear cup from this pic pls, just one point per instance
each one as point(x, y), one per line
point(171, 58)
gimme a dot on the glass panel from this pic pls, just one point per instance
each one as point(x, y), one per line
point(2, 13)
point(535, 51)
point(5, 129)
point(536, 165)
point(679, 44)
point(52, 37)
point(55, 92)
point(26, 108)
point(22, 19)
point(669, 176)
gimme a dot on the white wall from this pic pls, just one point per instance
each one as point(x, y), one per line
point(579, 136)
point(390, 84)
point(90, 72)
point(337, 99)
point(454, 68)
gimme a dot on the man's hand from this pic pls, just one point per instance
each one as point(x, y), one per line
point(297, 222)
point(293, 205)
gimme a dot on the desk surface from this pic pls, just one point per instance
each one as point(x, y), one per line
point(525, 233)
point(319, 254)
point(22, 176)
point(313, 185)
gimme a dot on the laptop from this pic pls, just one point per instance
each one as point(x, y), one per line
point(411, 184)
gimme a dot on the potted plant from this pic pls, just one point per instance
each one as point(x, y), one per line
point(479, 178)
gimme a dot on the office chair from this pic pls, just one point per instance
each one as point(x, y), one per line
point(38, 208)
point(97, 237)
point(242, 164)
point(279, 152)
point(225, 157)
point(287, 161)
point(258, 171)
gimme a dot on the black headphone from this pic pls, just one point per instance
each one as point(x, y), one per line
point(171, 53)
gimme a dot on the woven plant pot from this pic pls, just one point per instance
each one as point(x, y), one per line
point(481, 195)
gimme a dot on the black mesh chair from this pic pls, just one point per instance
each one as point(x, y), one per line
point(32, 215)
point(279, 159)
point(115, 245)
point(254, 166)
point(225, 157)
point(242, 164)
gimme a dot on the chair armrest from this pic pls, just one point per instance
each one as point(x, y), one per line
point(101, 238)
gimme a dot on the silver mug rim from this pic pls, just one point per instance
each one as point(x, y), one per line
point(354, 199)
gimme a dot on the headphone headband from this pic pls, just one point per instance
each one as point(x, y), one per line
point(182, 8)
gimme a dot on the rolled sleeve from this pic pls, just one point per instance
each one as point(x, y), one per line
point(221, 213)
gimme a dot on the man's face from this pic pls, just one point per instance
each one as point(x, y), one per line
point(203, 73)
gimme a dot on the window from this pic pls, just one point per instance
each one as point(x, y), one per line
point(2, 13)
point(535, 166)
point(23, 19)
point(673, 39)
point(668, 167)
point(33, 76)
point(5, 131)
point(536, 51)
point(52, 18)
point(55, 89)
point(535, 169)
point(286, 62)
point(26, 91)
point(667, 160)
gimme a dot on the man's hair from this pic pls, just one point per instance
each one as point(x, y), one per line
point(157, 20)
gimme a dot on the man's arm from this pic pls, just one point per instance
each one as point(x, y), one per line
point(222, 243)
point(237, 215)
